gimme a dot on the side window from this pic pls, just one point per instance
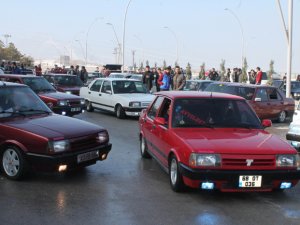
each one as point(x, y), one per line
point(106, 86)
point(165, 110)
point(262, 94)
point(273, 95)
point(96, 86)
point(153, 110)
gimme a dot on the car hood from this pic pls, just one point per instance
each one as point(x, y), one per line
point(233, 141)
point(137, 97)
point(58, 95)
point(55, 126)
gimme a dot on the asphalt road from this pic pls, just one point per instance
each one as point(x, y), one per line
point(126, 189)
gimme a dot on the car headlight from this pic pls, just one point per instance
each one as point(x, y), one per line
point(205, 160)
point(294, 129)
point(287, 161)
point(59, 146)
point(69, 92)
point(103, 137)
point(134, 104)
point(62, 103)
point(82, 101)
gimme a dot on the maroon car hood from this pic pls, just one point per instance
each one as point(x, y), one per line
point(55, 126)
point(58, 95)
point(233, 141)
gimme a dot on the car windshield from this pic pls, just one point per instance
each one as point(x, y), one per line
point(295, 85)
point(38, 84)
point(20, 101)
point(245, 92)
point(130, 86)
point(221, 113)
point(191, 86)
point(66, 80)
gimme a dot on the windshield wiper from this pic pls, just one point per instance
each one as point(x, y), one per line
point(34, 110)
point(12, 113)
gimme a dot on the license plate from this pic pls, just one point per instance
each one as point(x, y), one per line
point(87, 156)
point(250, 181)
point(75, 109)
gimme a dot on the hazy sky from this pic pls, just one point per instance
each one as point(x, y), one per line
point(204, 30)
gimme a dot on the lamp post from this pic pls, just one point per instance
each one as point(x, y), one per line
point(242, 32)
point(87, 35)
point(119, 44)
point(6, 36)
point(123, 42)
point(175, 39)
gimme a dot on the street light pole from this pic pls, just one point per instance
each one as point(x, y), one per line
point(119, 44)
point(174, 34)
point(6, 36)
point(242, 32)
point(123, 42)
point(86, 39)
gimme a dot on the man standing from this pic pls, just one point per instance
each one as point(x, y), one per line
point(148, 78)
point(178, 79)
point(258, 76)
point(213, 75)
point(166, 80)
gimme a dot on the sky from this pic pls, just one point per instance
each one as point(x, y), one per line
point(198, 31)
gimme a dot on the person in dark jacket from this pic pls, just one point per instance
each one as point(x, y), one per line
point(148, 78)
point(166, 81)
point(15, 69)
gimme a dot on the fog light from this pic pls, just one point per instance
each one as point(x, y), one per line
point(62, 168)
point(63, 113)
point(103, 156)
point(207, 185)
point(285, 185)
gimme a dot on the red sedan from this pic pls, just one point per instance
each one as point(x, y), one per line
point(215, 141)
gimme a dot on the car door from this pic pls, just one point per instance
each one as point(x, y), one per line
point(106, 98)
point(260, 103)
point(148, 126)
point(276, 102)
point(93, 94)
point(160, 133)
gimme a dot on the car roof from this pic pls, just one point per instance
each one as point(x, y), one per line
point(59, 74)
point(240, 84)
point(201, 81)
point(11, 84)
point(197, 94)
point(115, 78)
point(19, 75)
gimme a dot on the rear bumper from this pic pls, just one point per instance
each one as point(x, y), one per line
point(229, 179)
point(52, 162)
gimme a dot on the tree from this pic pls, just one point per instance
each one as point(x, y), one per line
point(202, 72)
point(270, 73)
point(244, 75)
point(188, 71)
point(222, 70)
point(147, 63)
point(155, 64)
point(176, 64)
point(164, 64)
point(141, 66)
point(11, 53)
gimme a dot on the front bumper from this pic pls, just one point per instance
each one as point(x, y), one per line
point(228, 180)
point(52, 162)
point(68, 110)
point(133, 111)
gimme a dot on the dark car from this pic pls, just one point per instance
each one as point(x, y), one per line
point(196, 85)
point(58, 102)
point(295, 87)
point(267, 101)
point(215, 141)
point(32, 137)
point(69, 84)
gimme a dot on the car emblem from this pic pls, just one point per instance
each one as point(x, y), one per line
point(249, 162)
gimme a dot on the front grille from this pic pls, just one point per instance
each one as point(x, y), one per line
point(145, 104)
point(248, 162)
point(82, 143)
point(74, 102)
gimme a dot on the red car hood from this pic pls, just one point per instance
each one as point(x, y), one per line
point(59, 95)
point(233, 141)
point(55, 126)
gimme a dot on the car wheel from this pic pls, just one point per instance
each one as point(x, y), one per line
point(176, 180)
point(282, 117)
point(120, 112)
point(89, 106)
point(144, 148)
point(13, 164)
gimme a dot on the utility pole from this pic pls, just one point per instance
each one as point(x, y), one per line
point(6, 36)
point(115, 52)
point(133, 53)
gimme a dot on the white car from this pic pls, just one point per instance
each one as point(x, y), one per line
point(124, 97)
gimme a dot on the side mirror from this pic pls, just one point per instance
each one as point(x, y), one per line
point(108, 92)
point(257, 99)
point(266, 123)
point(160, 121)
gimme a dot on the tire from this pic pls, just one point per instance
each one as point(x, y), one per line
point(89, 106)
point(176, 180)
point(144, 148)
point(120, 113)
point(13, 163)
point(282, 117)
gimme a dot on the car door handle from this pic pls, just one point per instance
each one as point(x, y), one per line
point(100, 95)
point(89, 92)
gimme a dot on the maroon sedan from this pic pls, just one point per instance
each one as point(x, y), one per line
point(215, 141)
point(267, 101)
point(32, 137)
